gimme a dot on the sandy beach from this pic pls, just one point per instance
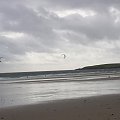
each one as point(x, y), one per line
point(105, 107)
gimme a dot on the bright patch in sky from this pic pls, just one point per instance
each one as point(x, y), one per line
point(41, 58)
point(115, 13)
point(83, 13)
point(12, 35)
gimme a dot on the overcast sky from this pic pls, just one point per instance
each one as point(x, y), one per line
point(35, 33)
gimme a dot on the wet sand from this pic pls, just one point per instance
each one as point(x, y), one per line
point(105, 107)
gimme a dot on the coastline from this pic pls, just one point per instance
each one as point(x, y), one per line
point(106, 107)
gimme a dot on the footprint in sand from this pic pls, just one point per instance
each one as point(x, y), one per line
point(2, 118)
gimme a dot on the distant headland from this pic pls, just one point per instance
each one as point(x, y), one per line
point(44, 73)
point(101, 66)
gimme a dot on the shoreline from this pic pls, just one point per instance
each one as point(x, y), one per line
point(105, 107)
point(38, 80)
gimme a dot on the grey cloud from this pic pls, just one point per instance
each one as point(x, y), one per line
point(39, 30)
point(41, 27)
point(75, 4)
point(38, 22)
point(94, 28)
point(11, 49)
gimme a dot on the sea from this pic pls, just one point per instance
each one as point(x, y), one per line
point(31, 88)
